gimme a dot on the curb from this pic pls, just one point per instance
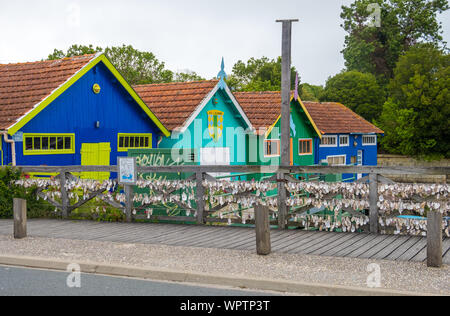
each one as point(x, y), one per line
point(206, 279)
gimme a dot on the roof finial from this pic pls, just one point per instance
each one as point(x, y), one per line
point(222, 75)
point(296, 87)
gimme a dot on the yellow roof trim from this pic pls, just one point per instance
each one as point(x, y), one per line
point(134, 95)
point(271, 127)
point(319, 133)
point(309, 117)
point(55, 94)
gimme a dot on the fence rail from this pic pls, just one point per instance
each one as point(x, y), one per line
point(281, 175)
point(250, 169)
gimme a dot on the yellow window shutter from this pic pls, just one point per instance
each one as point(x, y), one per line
point(104, 155)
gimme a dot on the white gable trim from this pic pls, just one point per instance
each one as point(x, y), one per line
point(239, 108)
point(205, 101)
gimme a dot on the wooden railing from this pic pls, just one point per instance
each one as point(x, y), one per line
point(282, 175)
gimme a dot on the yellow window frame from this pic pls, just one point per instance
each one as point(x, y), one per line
point(125, 149)
point(48, 151)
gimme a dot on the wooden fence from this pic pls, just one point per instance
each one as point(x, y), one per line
point(282, 175)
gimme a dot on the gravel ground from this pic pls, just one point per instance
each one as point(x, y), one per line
point(409, 276)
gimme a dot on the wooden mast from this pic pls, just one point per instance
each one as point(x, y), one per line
point(285, 117)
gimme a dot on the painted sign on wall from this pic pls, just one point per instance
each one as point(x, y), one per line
point(127, 170)
point(215, 124)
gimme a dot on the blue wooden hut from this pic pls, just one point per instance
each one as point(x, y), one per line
point(73, 111)
point(347, 138)
point(339, 136)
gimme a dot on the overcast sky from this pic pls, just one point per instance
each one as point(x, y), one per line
point(185, 34)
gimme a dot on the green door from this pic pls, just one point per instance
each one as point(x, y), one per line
point(95, 155)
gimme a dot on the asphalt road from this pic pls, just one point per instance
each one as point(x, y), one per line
point(33, 282)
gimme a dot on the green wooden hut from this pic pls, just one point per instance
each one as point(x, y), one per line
point(203, 116)
point(263, 109)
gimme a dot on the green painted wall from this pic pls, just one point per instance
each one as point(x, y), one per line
point(303, 129)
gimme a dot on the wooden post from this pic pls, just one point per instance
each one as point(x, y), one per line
point(434, 239)
point(64, 196)
point(20, 218)
point(129, 202)
point(200, 200)
point(373, 200)
point(262, 225)
point(286, 50)
point(282, 207)
point(127, 174)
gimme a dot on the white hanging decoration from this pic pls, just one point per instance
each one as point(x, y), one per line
point(394, 199)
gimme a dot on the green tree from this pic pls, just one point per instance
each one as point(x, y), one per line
point(416, 118)
point(358, 91)
point(262, 74)
point(136, 66)
point(309, 92)
point(74, 50)
point(186, 76)
point(403, 24)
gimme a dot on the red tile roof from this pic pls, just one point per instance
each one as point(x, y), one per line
point(264, 108)
point(336, 118)
point(173, 103)
point(24, 85)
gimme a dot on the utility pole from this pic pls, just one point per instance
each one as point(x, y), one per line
point(286, 48)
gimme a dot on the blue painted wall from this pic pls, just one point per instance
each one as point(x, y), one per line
point(197, 135)
point(369, 151)
point(77, 110)
point(3, 151)
point(355, 144)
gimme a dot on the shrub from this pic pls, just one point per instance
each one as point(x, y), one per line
point(9, 191)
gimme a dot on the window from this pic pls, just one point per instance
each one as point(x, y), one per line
point(133, 141)
point(189, 155)
point(369, 140)
point(328, 141)
point(343, 140)
point(305, 146)
point(336, 160)
point(271, 148)
point(359, 159)
point(48, 144)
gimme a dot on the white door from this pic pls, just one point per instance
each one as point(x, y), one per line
point(207, 156)
point(215, 156)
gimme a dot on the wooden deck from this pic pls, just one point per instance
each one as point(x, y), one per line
point(402, 248)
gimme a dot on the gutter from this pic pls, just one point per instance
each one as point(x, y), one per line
point(13, 146)
point(159, 140)
point(183, 277)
